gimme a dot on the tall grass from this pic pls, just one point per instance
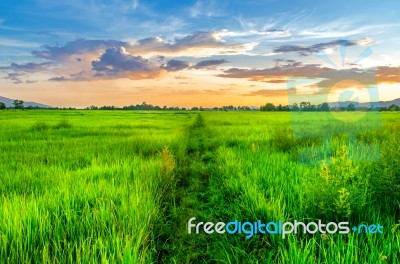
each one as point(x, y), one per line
point(119, 186)
point(83, 187)
point(263, 178)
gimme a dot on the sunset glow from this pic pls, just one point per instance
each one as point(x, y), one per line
point(195, 53)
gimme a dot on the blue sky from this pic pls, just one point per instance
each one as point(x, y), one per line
point(166, 52)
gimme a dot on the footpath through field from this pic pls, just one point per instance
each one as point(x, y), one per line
point(190, 198)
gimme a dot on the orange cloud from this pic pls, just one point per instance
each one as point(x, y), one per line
point(146, 75)
point(269, 93)
point(387, 74)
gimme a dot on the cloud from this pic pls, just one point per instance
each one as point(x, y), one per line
point(135, 4)
point(269, 93)
point(58, 79)
point(197, 44)
point(199, 39)
point(335, 78)
point(114, 60)
point(15, 77)
point(295, 69)
point(207, 63)
point(365, 41)
point(276, 81)
point(160, 58)
point(203, 91)
point(28, 67)
point(17, 72)
point(117, 62)
point(206, 8)
point(180, 77)
point(83, 60)
point(307, 50)
point(175, 65)
point(388, 74)
point(18, 77)
point(76, 47)
point(330, 80)
point(323, 79)
point(79, 76)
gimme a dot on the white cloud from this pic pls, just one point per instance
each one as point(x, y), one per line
point(8, 42)
point(208, 8)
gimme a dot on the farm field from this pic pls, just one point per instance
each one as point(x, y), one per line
point(82, 186)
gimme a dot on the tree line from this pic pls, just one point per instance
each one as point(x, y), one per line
point(324, 107)
point(268, 107)
point(18, 104)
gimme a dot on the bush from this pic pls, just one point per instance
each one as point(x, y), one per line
point(40, 125)
point(340, 191)
point(385, 178)
point(166, 175)
point(63, 124)
point(285, 141)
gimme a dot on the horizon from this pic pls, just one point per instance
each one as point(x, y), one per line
point(198, 53)
point(333, 105)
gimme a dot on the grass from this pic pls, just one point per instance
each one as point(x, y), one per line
point(86, 190)
point(120, 186)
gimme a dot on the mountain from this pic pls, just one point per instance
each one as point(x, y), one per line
point(9, 103)
point(368, 104)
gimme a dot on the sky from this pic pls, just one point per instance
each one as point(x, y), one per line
point(198, 53)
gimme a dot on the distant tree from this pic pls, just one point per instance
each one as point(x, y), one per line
point(18, 104)
point(324, 107)
point(394, 107)
point(307, 106)
point(295, 107)
point(302, 105)
point(268, 107)
point(281, 107)
point(363, 108)
point(229, 108)
point(350, 107)
point(108, 107)
point(334, 108)
point(2, 106)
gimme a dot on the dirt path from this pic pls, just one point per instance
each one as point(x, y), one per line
point(190, 198)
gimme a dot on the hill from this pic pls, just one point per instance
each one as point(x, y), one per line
point(9, 103)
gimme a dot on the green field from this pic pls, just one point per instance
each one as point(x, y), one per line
point(120, 186)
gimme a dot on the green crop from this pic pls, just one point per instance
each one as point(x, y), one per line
point(119, 187)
